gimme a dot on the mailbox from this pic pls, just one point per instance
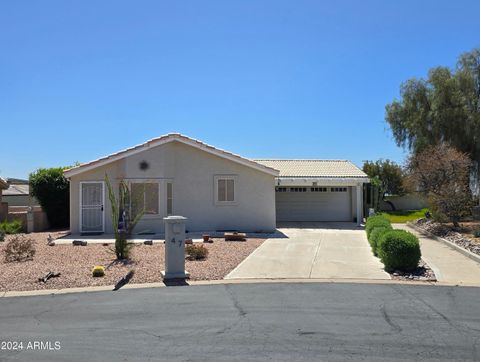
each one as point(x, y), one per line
point(175, 248)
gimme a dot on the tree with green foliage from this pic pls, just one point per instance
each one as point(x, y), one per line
point(387, 178)
point(52, 191)
point(445, 107)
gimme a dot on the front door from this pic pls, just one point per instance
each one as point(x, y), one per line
point(92, 200)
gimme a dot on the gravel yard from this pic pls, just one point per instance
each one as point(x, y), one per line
point(463, 237)
point(422, 273)
point(75, 263)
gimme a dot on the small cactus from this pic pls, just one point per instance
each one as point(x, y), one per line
point(98, 271)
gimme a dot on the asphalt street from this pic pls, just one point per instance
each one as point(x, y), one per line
point(243, 322)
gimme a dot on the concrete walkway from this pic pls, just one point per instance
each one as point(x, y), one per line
point(449, 265)
point(313, 251)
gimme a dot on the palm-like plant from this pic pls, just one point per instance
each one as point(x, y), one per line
point(128, 222)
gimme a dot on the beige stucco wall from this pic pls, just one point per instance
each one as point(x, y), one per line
point(20, 200)
point(192, 172)
point(405, 202)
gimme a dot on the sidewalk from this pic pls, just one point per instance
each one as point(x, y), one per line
point(449, 265)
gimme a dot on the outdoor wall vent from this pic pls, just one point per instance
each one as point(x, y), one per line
point(144, 165)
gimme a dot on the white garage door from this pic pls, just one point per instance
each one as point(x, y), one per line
point(314, 204)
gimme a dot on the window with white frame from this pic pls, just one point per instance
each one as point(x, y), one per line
point(169, 198)
point(144, 196)
point(225, 192)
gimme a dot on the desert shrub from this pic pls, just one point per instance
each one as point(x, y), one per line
point(19, 248)
point(399, 250)
point(11, 227)
point(123, 223)
point(98, 271)
point(375, 236)
point(376, 221)
point(52, 191)
point(196, 252)
point(476, 233)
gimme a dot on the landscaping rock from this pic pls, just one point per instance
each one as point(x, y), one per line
point(443, 231)
point(188, 241)
point(51, 243)
point(422, 273)
point(148, 242)
point(235, 236)
point(79, 243)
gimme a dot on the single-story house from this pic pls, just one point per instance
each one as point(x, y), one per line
point(18, 193)
point(215, 189)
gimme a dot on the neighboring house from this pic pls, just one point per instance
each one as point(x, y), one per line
point(214, 189)
point(17, 204)
point(18, 193)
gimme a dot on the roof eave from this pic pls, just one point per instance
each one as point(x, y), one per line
point(74, 171)
point(330, 180)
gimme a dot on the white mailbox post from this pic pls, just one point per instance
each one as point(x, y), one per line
point(175, 248)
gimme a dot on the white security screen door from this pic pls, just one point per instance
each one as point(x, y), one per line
point(91, 207)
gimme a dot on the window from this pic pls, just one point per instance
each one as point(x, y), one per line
point(281, 189)
point(225, 189)
point(318, 189)
point(338, 189)
point(169, 198)
point(298, 189)
point(144, 196)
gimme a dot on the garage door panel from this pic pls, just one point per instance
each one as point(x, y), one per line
point(314, 206)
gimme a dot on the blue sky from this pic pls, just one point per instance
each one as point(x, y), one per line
point(266, 79)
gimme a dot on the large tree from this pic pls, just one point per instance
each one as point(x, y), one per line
point(386, 176)
point(52, 191)
point(441, 174)
point(445, 107)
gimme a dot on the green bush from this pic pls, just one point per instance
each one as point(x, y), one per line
point(375, 236)
point(2, 235)
point(196, 252)
point(52, 191)
point(476, 233)
point(376, 221)
point(399, 250)
point(11, 227)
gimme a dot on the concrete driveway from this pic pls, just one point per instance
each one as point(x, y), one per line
point(313, 251)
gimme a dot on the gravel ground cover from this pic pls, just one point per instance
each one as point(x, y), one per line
point(447, 231)
point(75, 263)
point(422, 273)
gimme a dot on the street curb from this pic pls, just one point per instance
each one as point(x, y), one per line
point(465, 252)
point(105, 288)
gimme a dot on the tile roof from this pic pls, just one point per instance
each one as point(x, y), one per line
point(16, 190)
point(315, 168)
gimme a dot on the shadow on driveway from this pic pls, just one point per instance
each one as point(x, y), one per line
point(318, 225)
